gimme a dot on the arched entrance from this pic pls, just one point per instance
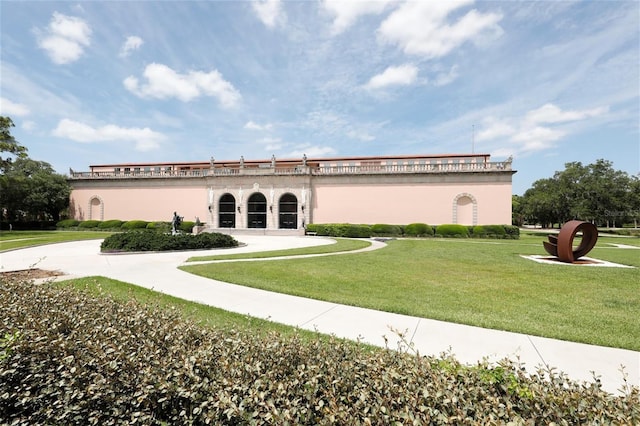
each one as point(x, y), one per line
point(288, 208)
point(257, 211)
point(227, 211)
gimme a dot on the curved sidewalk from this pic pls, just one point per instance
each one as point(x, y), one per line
point(158, 271)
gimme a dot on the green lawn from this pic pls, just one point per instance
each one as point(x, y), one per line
point(20, 239)
point(478, 282)
point(341, 244)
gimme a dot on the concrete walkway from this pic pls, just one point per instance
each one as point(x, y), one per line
point(158, 271)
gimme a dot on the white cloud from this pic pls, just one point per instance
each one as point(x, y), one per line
point(537, 130)
point(163, 82)
point(550, 113)
point(311, 151)
point(422, 28)
point(346, 12)
point(255, 126)
point(131, 43)
point(271, 144)
point(442, 79)
point(145, 139)
point(403, 75)
point(28, 125)
point(360, 135)
point(65, 38)
point(9, 108)
point(270, 12)
point(494, 129)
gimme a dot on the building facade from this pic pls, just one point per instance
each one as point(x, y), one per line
point(288, 194)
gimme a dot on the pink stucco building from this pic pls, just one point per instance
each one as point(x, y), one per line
point(274, 194)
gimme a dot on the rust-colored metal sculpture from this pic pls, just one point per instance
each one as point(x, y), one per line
point(562, 245)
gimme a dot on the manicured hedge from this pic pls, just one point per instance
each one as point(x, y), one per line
point(384, 230)
point(187, 226)
point(149, 240)
point(418, 230)
point(67, 223)
point(451, 230)
point(70, 358)
point(415, 230)
point(111, 224)
point(340, 230)
point(135, 224)
point(89, 224)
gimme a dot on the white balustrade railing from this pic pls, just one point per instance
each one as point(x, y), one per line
point(497, 166)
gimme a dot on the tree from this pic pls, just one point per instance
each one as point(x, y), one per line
point(517, 210)
point(596, 193)
point(8, 144)
point(31, 190)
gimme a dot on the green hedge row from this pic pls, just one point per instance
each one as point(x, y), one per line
point(67, 357)
point(415, 230)
point(117, 225)
point(149, 240)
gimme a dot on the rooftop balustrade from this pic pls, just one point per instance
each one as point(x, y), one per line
point(321, 170)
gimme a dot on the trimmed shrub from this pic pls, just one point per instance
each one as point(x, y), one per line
point(340, 230)
point(479, 231)
point(71, 358)
point(149, 240)
point(418, 230)
point(111, 224)
point(512, 232)
point(135, 224)
point(186, 226)
point(89, 224)
point(384, 230)
point(319, 229)
point(452, 231)
point(159, 226)
point(67, 223)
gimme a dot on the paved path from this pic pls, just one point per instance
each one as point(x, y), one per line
point(469, 344)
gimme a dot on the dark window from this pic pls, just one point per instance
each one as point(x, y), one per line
point(257, 211)
point(288, 208)
point(227, 211)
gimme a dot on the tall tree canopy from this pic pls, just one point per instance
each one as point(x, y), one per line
point(596, 192)
point(8, 144)
point(29, 190)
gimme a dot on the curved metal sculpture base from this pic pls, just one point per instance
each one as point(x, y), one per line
point(562, 245)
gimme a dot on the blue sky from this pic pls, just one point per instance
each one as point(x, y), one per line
point(546, 82)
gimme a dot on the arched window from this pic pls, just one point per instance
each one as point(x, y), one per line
point(288, 212)
point(227, 211)
point(465, 209)
point(257, 211)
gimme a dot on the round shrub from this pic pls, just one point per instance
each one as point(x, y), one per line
point(418, 230)
point(135, 224)
point(67, 223)
point(148, 240)
point(479, 231)
point(495, 231)
point(452, 231)
point(512, 231)
point(89, 224)
point(111, 224)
